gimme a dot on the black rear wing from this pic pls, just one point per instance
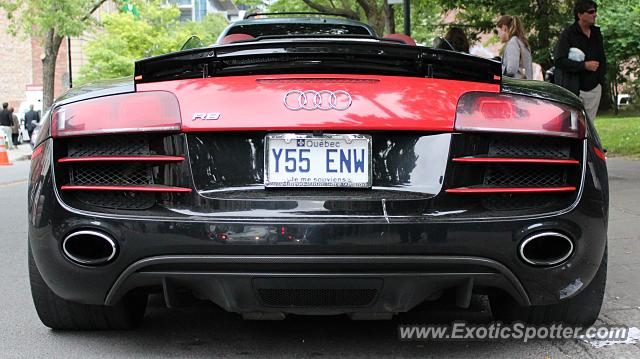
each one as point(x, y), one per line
point(312, 55)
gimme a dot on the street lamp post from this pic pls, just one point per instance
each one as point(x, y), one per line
point(407, 17)
point(69, 61)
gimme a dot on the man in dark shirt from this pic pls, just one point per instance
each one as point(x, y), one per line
point(31, 119)
point(6, 121)
point(583, 75)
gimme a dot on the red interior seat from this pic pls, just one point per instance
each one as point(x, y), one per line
point(235, 38)
point(402, 37)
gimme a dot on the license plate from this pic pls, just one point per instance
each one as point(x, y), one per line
point(330, 160)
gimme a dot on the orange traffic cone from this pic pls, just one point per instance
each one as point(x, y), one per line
point(4, 158)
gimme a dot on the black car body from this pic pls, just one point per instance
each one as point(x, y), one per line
point(471, 183)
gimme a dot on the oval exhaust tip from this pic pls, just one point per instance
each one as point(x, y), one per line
point(89, 247)
point(546, 249)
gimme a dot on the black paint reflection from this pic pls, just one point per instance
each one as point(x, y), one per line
point(395, 160)
point(401, 162)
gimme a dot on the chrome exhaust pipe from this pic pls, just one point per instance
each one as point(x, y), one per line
point(546, 249)
point(89, 247)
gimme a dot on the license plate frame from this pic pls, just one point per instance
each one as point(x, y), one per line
point(290, 140)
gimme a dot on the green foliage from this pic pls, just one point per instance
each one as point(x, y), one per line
point(294, 6)
point(543, 19)
point(124, 38)
point(37, 17)
point(620, 23)
point(425, 14)
point(425, 19)
point(620, 135)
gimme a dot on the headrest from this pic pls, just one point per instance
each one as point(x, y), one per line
point(235, 38)
point(402, 37)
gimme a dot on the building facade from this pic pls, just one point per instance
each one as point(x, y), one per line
point(196, 10)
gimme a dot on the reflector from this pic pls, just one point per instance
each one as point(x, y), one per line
point(491, 112)
point(128, 113)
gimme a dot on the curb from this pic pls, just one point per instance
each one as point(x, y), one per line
point(21, 158)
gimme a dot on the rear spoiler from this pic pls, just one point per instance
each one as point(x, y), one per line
point(306, 55)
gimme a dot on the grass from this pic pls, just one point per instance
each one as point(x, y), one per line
point(620, 135)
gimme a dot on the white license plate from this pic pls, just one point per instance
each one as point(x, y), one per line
point(330, 160)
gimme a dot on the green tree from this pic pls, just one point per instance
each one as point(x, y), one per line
point(620, 27)
point(51, 21)
point(124, 38)
point(426, 16)
point(543, 20)
point(377, 13)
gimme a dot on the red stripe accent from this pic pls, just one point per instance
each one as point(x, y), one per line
point(510, 189)
point(125, 188)
point(37, 152)
point(516, 160)
point(122, 158)
point(599, 154)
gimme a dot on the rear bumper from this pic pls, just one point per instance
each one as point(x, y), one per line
point(317, 284)
point(402, 260)
point(412, 260)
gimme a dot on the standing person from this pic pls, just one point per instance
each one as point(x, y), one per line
point(516, 58)
point(6, 120)
point(31, 119)
point(579, 55)
point(457, 39)
point(15, 127)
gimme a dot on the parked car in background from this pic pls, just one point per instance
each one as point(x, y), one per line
point(624, 100)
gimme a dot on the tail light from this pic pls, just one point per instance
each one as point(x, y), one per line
point(128, 113)
point(490, 112)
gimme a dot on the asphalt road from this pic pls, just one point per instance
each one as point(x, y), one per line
point(205, 331)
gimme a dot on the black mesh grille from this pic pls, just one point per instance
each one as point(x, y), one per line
point(520, 201)
point(290, 297)
point(111, 174)
point(525, 147)
point(524, 176)
point(109, 146)
point(117, 199)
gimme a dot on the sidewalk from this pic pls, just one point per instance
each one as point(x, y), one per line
point(22, 153)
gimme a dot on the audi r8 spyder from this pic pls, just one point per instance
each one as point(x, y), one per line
point(317, 175)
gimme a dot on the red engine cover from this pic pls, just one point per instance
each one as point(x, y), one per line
point(378, 102)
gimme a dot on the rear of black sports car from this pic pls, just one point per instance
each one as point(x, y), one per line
point(317, 177)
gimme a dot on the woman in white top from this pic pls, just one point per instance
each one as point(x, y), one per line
point(516, 57)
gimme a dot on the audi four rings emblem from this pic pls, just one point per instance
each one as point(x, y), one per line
point(310, 100)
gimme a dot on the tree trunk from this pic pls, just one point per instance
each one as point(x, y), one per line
point(390, 18)
point(51, 45)
point(543, 12)
point(614, 87)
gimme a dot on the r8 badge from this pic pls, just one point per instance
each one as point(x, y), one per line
point(206, 116)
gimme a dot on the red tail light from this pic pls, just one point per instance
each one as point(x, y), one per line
point(490, 112)
point(127, 113)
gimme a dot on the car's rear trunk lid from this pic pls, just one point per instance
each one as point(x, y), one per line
point(331, 102)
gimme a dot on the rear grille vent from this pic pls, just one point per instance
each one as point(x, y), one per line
point(516, 172)
point(316, 297)
point(520, 201)
point(117, 199)
point(111, 174)
point(522, 147)
point(524, 176)
point(123, 172)
point(111, 146)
